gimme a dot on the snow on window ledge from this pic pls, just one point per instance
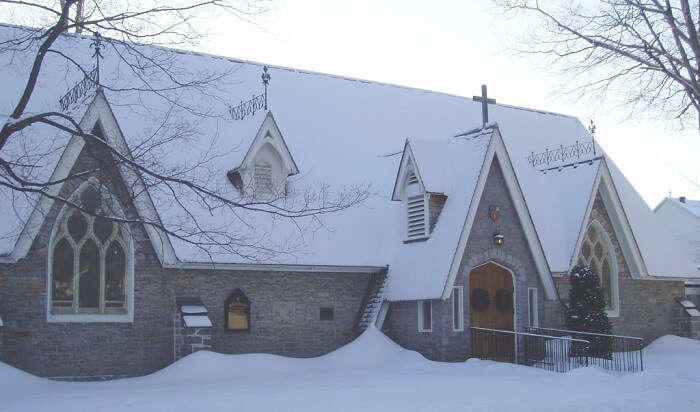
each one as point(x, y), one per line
point(90, 318)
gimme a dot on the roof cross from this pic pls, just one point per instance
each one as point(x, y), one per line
point(484, 103)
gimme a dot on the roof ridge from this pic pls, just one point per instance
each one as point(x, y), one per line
point(302, 71)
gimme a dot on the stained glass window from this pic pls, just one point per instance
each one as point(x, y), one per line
point(596, 252)
point(89, 259)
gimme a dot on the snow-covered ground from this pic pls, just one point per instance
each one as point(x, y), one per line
point(370, 374)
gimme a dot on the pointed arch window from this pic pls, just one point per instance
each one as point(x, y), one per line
point(90, 257)
point(597, 251)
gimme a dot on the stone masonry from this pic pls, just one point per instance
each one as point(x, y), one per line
point(443, 343)
point(189, 340)
point(72, 349)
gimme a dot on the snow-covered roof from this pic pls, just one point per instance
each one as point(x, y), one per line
point(342, 133)
point(451, 167)
point(692, 206)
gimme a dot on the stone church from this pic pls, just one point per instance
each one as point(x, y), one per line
point(465, 222)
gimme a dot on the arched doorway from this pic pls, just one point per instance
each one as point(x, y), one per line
point(492, 306)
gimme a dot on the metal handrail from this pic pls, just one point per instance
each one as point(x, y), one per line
point(531, 334)
point(586, 333)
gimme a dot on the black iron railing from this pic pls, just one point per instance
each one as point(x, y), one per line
point(612, 352)
point(531, 349)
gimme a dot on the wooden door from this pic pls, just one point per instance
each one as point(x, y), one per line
point(492, 306)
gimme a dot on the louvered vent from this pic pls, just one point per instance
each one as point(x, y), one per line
point(415, 207)
point(263, 178)
point(412, 179)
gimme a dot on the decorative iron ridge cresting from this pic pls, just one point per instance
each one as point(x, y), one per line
point(79, 90)
point(563, 153)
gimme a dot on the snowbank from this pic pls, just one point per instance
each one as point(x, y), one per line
point(371, 373)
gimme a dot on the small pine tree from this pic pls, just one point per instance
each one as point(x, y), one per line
point(586, 312)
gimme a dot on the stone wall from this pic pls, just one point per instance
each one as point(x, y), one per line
point(302, 334)
point(189, 339)
point(401, 322)
point(145, 345)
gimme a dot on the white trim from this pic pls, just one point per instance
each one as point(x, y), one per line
point(460, 312)
point(421, 327)
point(584, 221)
point(604, 185)
point(381, 316)
point(267, 267)
point(43, 206)
point(498, 150)
point(269, 126)
point(536, 312)
point(97, 110)
point(143, 203)
point(408, 160)
point(127, 317)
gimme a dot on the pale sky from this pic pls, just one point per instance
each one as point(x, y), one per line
point(453, 46)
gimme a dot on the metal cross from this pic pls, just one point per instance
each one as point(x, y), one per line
point(97, 54)
point(484, 103)
point(265, 79)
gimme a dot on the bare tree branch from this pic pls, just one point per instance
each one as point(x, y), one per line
point(645, 51)
point(139, 169)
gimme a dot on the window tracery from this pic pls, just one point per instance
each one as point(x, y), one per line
point(89, 259)
point(598, 253)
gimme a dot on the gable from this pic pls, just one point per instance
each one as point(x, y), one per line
point(407, 166)
point(98, 116)
point(497, 157)
point(340, 144)
point(269, 138)
point(647, 246)
point(683, 225)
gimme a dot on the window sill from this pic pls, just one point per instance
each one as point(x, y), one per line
point(418, 239)
point(89, 318)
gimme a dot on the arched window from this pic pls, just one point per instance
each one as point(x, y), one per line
point(597, 252)
point(89, 259)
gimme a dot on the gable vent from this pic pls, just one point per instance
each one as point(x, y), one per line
point(412, 179)
point(415, 207)
point(263, 178)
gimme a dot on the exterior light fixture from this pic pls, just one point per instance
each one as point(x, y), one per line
point(498, 239)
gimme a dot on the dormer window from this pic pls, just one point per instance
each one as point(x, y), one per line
point(422, 201)
point(263, 172)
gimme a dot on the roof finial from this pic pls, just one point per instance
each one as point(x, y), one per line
point(266, 80)
point(97, 54)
